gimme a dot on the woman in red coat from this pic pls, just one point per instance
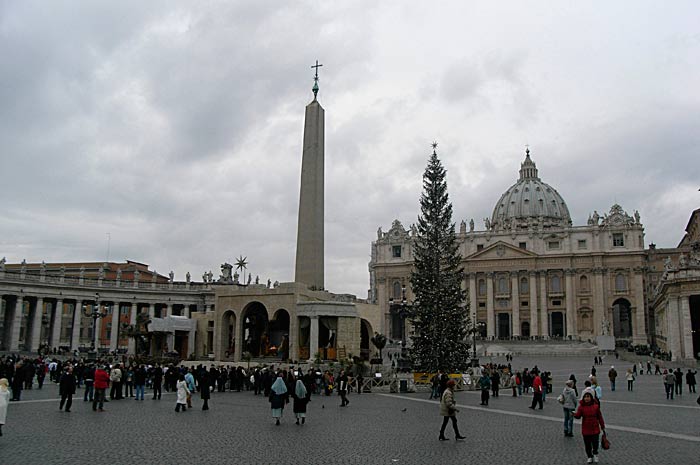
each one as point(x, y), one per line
point(591, 424)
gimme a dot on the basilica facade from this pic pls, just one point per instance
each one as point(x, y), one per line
point(530, 272)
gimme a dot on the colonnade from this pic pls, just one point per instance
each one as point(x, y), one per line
point(49, 312)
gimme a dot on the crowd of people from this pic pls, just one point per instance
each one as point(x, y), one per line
point(103, 382)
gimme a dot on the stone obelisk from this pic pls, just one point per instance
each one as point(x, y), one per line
point(309, 259)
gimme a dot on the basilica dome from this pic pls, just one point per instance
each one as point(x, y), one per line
point(530, 203)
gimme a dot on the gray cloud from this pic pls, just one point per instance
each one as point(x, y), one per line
point(178, 129)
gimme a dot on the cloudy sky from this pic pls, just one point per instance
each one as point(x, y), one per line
point(176, 127)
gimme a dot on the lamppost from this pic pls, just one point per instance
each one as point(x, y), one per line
point(476, 327)
point(95, 313)
point(404, 364)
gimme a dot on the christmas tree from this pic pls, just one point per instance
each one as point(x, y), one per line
point(440, 314)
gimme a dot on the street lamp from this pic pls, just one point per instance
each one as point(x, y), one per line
point(95, 313)
point(476, 327)
point(404, 364)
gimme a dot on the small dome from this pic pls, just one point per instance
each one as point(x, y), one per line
point(530, 202)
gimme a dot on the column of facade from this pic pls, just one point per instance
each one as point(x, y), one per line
point(599, 310)
point(16, 323)
point(534, 321)
point(685, 327)
point(192, 342)
point(490, 314)
point(313, 338)
point(56, 325)
point(36, 325)
point(544, 312)
point(515, 298)
point(114, 334)
point(131, 347)
point(169, 310)
point(673, 336)
point(293, 339)
point(151, 311)
point(96, 327)
point(238, 350)
point(570, 305)
point(472, 297)
point(186, 311)
point(639, 335)
point(75, 331)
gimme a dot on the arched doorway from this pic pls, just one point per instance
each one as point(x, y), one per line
point(557, 326)
point(525, 329)
point(503, 326)
point(279, 334)
point(365, 335)
point(622, 318)
point(228, 335)
point(254, 329)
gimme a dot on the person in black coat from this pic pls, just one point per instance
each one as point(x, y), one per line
point(157, 382)
point(66, 388)
point(278, 398)
point(205, 389)
point(301, 398)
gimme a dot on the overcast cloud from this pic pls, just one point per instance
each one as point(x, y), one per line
point(176, 127)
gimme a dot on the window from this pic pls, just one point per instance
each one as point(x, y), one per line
point(524, 303)
point(396, 294)
point(582, 244)
point(482, 287)
point(524, 286)
point(556, 284)
point(479, 247)
point(620, 282)
point(523, 245)
point(553, 245)
point(502, 286)
point(583, 284)
point(618, 240)
point(482, 304)
point(396, 251)
point(556, 303)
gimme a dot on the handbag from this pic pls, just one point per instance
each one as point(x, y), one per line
point(560, 399)
point(605, 443)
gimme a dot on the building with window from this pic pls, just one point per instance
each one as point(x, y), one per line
point(531, 273)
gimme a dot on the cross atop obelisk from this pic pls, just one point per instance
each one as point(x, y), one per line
point(315, 87)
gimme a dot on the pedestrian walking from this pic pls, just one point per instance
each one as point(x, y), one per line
point(612, 376)
point(66, 389)
point(101, 385)
point(4, 401)
point(435, 385)
point(301, 398)
point(343, 388)
point(182, 393)
point(537, 393)
point(278, 398)
point(630, 380)
point(678, 377)
point(569, 399)
point(485, 385)
point(448, 410)
point(597, 388)
point(189, 379)
point(514, 384)
point(157, 382)
point(205, 389)
point(89, 378)
point(690, 380)
point(495, 382)
point(669, 380)
point(591, 425)
point(573, 378)
point(140, 381)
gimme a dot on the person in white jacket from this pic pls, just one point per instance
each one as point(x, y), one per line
point(4, 401)
point(182, 393)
